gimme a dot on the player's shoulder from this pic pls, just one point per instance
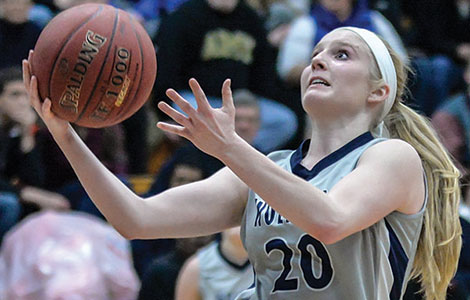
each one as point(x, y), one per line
point(395, 153)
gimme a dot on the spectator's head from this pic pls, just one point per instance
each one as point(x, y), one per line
point(247, 114)
point(184, 174)
point(341, 8)
point(225, 6)
point(65, 4)
point(15, 11)
point(188, 246)
point(188, 168)
point(14, 101)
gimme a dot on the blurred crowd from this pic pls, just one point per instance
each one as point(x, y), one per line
point(263, 46)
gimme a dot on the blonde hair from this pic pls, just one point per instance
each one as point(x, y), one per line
point(440, 241)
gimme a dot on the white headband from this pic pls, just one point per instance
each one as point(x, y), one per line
point(384, 61)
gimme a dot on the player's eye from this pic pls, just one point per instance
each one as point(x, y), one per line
point(342, 54)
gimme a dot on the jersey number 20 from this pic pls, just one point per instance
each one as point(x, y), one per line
point(314, 281)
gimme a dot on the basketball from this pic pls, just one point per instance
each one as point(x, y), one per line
point(96, 63)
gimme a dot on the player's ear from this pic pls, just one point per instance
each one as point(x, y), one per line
point(379, 94)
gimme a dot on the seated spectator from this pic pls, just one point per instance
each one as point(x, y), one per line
point(21, 168)
point(106, 143)
point(149, 12)
point(326, 15)
point(247, 122)
point(438, 41)
point(159, 279)
point(158, 261)
point(220, 270)
point(186, 165)
point(212, 40)
point(17, 33)
point(452, 122)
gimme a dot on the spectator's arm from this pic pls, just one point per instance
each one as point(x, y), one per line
point(388, 32)
point(296, 50)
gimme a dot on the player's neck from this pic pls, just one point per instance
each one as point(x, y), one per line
point(326, 140)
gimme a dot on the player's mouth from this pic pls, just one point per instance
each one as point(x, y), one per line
point(318, 81)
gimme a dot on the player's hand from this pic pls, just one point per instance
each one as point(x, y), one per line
point(55, 125)
point(210, 129)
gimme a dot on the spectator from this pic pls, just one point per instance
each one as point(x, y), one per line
point(326, 15)
point(149, 12)
point(186, 165)
point(185, 161)
point(17, 33)
point(221, 270)
point(247, 115)
point(437, 37)
point(159, 279)
point(159, 261)
point(21, 169)
point(452, 122)
point(212, 40)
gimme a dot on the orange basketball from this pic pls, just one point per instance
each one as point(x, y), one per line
point(96, 63)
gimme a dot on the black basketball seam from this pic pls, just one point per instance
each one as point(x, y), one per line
point(65, 44)
point(142, 63)
point(116, 18)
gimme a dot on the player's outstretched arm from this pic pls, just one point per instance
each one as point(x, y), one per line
point(389, 176)
point(201, 208)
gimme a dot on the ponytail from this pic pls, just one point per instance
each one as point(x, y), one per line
point(440, 240)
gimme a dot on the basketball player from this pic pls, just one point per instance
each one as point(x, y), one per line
point(369, 201)
point(219, 271)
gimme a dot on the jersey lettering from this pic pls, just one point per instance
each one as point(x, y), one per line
point(268, 214)
point(312, 253)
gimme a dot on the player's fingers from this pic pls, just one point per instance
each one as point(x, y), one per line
point(26, 75)
point(181, 102)
point(46, 108)
point(172, 128)
point(201, 99)
point(227, 99)
point(30, 59)
point(30, 55)
point(34, 95)
point(174, 114)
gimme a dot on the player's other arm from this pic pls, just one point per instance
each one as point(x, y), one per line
point(187, 284)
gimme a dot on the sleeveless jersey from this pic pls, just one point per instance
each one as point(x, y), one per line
point(219, 278)
point(371, 264)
